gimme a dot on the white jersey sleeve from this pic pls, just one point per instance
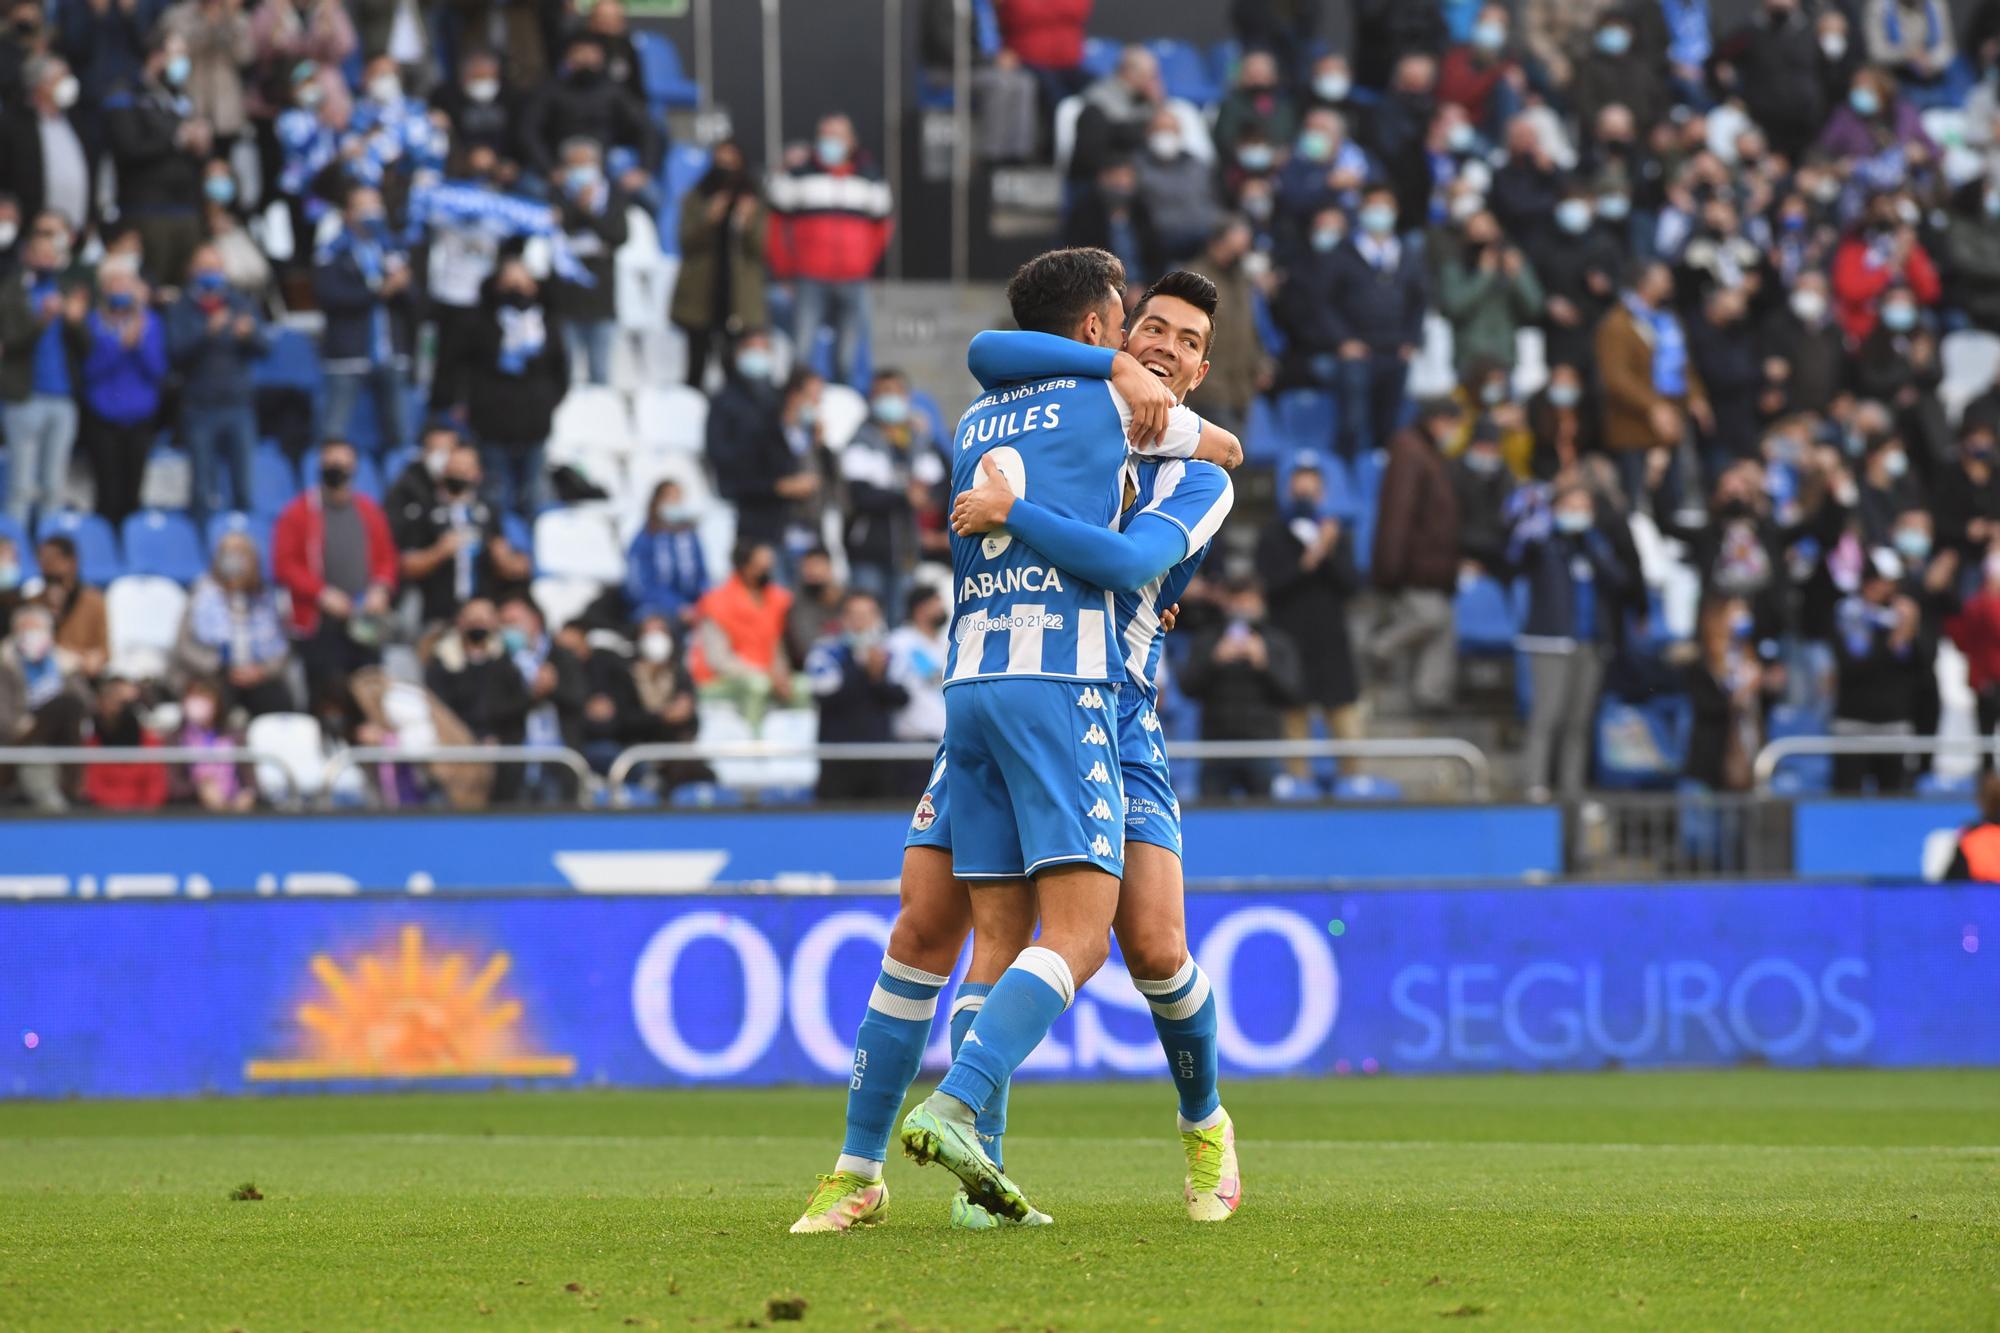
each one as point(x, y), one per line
point(1183, 428)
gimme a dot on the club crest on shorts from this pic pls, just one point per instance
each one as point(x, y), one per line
point(926, 814)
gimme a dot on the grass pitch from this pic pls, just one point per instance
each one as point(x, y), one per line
point(1743, 1199)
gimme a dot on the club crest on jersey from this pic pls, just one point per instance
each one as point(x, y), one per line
point(1090, 698)
point(926, 814)
point(1095, 736)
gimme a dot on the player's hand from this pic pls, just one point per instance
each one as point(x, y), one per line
point(1147, 395)
point(984, 507)
point(1170, 618)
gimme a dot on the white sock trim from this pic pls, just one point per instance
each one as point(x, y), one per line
point(887, 1002)
point(904, 972)
point(1188, 1004)
point(1048, 967)
point(1171, 984)
point(860, 1166)
point(964, 1003)
point(1209, 1121)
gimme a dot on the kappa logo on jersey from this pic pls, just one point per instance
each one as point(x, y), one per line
point(926, 814)
point(1090, 698)
point(1100, 810)
point(1097, 773)
point(1095, 736)
point(1099, 846)
point(1149, 721)
point(1158, 758)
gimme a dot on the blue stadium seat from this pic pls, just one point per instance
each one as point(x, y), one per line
point(1931, 784)
point(1100, 56)
point(927, 407)
point(273, 480)
point(660, 69)
point(255, 526)
point(515, 529)
point(1263, 435)
point(1367, 787)
point(1485, 619)
point(858, 374)
point(1643, 746)
point(97, 554)
point(1306, 417)
point(292, 363)
point(157, 542)
point(23, 547)
point(1185, 72)
point(1805, 774)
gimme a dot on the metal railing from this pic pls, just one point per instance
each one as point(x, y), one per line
point(179, 756)
point(1459, 754)
point(1638, 836)
point(559, 755)
point(1765, 768)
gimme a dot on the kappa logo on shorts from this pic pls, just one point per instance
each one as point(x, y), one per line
point(926, 815)
point(1149, 721)
point(1095, 736)
point(1090, 698)
point(1100, 810)
point(1097, 773)
point(1100, 846)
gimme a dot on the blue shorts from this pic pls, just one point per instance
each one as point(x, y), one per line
point(1152, 814)
point(1034, 776)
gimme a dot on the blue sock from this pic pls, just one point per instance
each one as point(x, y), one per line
point(887, 1052)
point(992, 1121)
point(1027, 1000)
point(1184, 1016)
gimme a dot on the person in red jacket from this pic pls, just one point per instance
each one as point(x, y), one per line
point(1882, 252)
point(831, 217)
point(123, 786)
point(331, 550)
point(1976, 631)
point(1047, 37)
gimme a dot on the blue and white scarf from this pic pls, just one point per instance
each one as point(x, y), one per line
point(1892, 23)
point(1670, 357)
point(243, 627)
point(467, 204)
point(523, 334)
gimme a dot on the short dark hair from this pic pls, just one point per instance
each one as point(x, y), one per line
point(61, 544)
point(1184, 285)
point(920, 594)
point(1052, 293)
point(747, 547)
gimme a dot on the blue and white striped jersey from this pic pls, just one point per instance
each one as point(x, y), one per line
point(1061, 443)
point(1197, 497)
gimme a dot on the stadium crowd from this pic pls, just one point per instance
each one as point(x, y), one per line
point(1596, 336)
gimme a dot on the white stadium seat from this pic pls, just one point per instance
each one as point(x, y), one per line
point(1970, 358)
point(580, 542)
point(294, 741)
point(590, 415)
point(562, 600)
point(671, 417)
point(842, 411)
point(144, 612)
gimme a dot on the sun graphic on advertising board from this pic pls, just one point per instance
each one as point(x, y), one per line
point(405, 1012)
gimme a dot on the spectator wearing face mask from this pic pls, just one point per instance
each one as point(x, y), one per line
point(44, 701)
point(232, 633)
point(1330, 87)
point(124, 374)
point(1482, 74)
point(858, 701)
point(1377, 293)
point(214, 339)
point(917, 651)
point(720, 291)
point(557, 689)
point(1651, 387)
point(1111, 214)
point(1387, 30)
point(1489, 292)
point(82, 629)
point(332, 552)
point(1258, 102)
point(286, 34)
point(217, 787)
point(471, 673)
point(1967, 511)
point(481, 108)
point(1578, 589)
point(1723, 348)
point(1178, 188)
point(217, 33)
point(1616, 70)
point(414, 489)
point(1888, 487)
point(1246, 674)
point(120, 725)
point(593, 220)
point(1238, 367)
point(1877, 130)
point(650, 700)
point(1563, 426)
point(739, 653)
point(815, 612)
point(1913, 40)
point(1777, 61)
point(831, 218)
point(1305, 558)
point(392, 135)
point(665, 571)
point(584, 103)
point(1577, 265)
point(1117, 113)
point(1975, 631)
point(1326, 167)
point(889, 460)
point(756, 467)
point(362, 279)
point(1729, 688)
point(44, 160)
point(1875, 648)
point(1405, 134)
point(1803, 355)
point(1482, 484)
point(516, 373)
point(40, 369)
point(158, 145)
point(453, 549)
point(1970, 255)
point(1898, 365)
